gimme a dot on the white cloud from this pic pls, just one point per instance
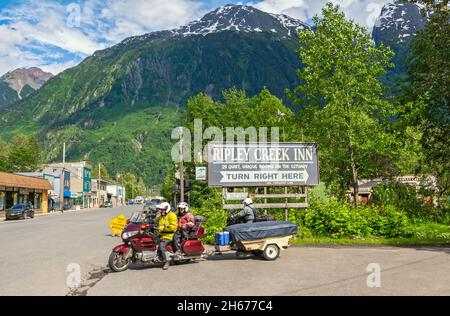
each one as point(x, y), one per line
point(364, 12)
point(38, 31)
point(81, 30)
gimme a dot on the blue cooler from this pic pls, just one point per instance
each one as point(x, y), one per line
point(222, 239)
point(226, 236)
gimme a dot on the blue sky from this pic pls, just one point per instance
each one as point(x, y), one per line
point(58, 34)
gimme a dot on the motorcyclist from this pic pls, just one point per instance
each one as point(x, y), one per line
point(186, 222)
point(167, 226)
point(247, 215)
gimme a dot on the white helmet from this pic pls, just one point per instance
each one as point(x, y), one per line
point(164, 207)
point(184, 205)
point(248, 201)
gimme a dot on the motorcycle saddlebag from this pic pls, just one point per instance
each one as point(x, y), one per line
point(261, 230)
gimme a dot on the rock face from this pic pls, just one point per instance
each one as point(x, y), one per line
point(20, 83)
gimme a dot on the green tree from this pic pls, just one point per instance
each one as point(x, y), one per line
point(343, 107)
point(236, 110)
point(24, 154)
point(100, 170)
point(429, 70)
point(131, 188)
point(4, 163)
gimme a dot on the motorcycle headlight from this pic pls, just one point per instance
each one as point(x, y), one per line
point(128, 235)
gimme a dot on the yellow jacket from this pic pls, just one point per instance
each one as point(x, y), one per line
point(169, 222)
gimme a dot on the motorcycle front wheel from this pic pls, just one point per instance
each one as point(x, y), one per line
point(118, 263)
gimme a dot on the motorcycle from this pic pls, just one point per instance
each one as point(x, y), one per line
point(233, 220)
point(141, 245)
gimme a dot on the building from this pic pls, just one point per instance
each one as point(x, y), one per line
point(365, 187)
point(79, 175)
point(116, 194)
point(100, 194)
point(54, 195)
point(18, 189)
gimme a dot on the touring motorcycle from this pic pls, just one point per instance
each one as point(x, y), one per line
point(141, 244)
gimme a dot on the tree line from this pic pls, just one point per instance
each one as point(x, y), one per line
point(343, 105)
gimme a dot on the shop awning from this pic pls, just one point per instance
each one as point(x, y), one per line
point(23, 182)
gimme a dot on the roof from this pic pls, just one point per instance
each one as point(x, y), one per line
point(16, 181)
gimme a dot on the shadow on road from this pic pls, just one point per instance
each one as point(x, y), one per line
point(231, 256)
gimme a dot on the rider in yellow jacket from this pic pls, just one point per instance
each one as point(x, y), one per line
point(167, 227)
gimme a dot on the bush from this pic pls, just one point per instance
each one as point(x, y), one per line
point(404, 197)
point(337, 219)
point(216, 221)
point(388, 222)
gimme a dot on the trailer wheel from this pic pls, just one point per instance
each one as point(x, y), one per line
point(271, 252)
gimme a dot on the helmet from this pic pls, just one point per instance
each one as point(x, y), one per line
point(164, 207)
point(248, 201)
point(183, 205)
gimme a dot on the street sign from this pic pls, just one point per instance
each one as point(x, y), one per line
point(262, 165)
point(118, 224)
point(201, 173)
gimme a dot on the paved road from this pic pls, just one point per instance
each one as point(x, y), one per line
point(35, 255)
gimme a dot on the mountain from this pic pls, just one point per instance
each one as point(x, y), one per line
point(20, 83)
point(396, 27)
point(120, 105)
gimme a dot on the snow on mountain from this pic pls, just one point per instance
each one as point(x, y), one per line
point(237, 18)
point(398, 22)
point(242, 18)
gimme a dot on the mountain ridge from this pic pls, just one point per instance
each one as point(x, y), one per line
point(134, 93)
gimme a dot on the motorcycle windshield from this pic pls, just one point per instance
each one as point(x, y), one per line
point(137, 218)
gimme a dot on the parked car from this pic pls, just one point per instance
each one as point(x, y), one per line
point(19, 211)
point(107, 205)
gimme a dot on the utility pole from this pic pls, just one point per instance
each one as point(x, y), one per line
point(62, 180)
point(181, 166)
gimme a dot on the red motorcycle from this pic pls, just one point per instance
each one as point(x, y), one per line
point(141, 244)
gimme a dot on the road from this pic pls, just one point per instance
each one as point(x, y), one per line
point(37, 254)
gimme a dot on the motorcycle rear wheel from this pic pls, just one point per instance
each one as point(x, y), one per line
point(117, 263)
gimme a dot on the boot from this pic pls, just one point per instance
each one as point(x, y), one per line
point(166, 266)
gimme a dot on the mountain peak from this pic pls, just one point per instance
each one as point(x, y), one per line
point(20, 83)
point(34, 77)
point(399, 22)
point(242, 18)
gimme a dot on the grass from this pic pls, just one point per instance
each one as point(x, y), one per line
point(425, 234)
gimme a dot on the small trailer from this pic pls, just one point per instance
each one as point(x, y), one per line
point(266, 239)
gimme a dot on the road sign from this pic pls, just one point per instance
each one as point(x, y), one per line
point(118, 224)
point(263, 165)
point(201, 173)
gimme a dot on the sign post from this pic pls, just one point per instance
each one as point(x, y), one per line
point(287, 169)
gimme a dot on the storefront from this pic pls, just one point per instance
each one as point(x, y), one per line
point(17, 189)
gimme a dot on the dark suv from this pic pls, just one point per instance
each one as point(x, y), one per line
point(19, 211)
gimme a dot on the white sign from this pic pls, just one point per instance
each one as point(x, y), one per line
point(201, 173)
